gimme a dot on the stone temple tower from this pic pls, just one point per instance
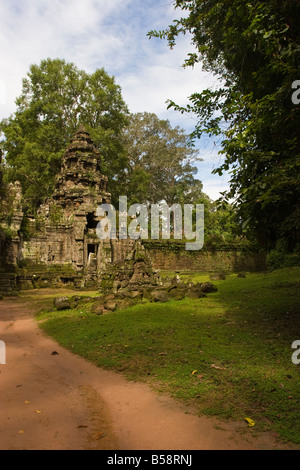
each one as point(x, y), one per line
point(68, 236)
point(80, 188)
point(80, 181)
point(63, 242)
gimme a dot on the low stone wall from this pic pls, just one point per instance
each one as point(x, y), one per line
point(14, 279)
point(6, 248)
point(165, 255)
point(8, 284)
point(172, 256)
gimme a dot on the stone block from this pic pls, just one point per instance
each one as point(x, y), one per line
point(218, 277)
point(160, 296)
point(61, 303)
point(111, 306)
point(208, 287)
point(178, 294)
point(97, 309)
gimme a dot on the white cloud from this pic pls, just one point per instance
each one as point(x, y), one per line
point(33, 30)
point(101, 33)
point(156, 83)
point(214, 187)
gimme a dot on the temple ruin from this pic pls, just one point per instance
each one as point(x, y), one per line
point(59, 245)
point(68, 219)
point(63, 234)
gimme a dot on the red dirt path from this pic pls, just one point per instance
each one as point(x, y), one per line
point(63, 402)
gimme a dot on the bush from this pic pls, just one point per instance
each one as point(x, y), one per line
point(277, 259)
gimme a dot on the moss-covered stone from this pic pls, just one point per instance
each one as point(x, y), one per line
point(61, 303)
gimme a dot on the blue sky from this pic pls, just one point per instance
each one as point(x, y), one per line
point(110, 34)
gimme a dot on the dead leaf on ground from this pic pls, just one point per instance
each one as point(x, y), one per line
point(213, 366)
point(250, 422)
point(99, 435)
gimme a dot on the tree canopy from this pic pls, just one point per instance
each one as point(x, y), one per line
point(253, 47)
point(143, 156)
point(57, 97)
point(161, 162)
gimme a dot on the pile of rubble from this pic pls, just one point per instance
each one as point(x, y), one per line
point(134, 280)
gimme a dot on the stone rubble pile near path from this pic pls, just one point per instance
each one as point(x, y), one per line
point(134, 280)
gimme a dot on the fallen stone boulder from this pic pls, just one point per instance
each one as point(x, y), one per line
point(109, 298)
point(177, 294)
point(208, 287)
point(218, 277)
point(111, 306)
point(160, 296)
point(61, 303)
point(135, 294)
point(176, 279)
point(147, 293)
point(97, 309)
point(195, 293)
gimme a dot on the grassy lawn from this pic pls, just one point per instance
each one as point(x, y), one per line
point(227, 355)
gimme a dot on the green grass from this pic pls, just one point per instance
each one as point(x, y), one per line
point(245, 331)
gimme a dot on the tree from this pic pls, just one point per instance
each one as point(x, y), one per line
point(254, 49)
point(2, 188)
point(56, 98)
point(161, 162)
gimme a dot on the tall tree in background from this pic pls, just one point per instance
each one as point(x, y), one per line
point(57, 97)
point(161, 162)
point(254, 48)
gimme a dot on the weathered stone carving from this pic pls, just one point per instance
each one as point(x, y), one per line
point(68, 221)
point(64, 232)
point(63, 247)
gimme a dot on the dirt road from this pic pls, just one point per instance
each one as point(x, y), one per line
point(60, 401)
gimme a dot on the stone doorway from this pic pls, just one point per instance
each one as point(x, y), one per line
point(92, 256)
